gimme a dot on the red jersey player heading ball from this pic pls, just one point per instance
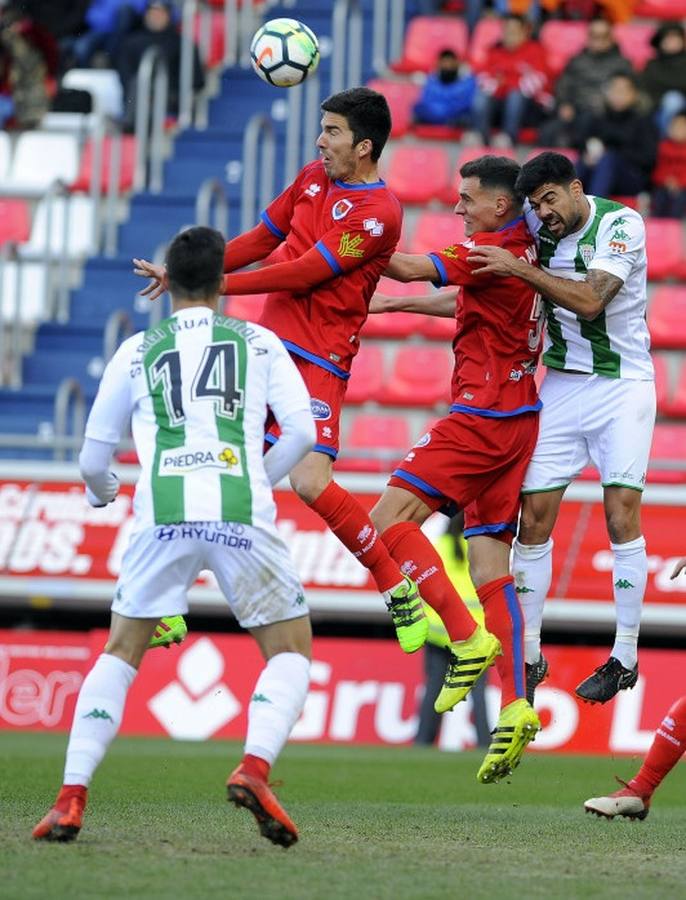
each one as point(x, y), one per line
point(329, 236)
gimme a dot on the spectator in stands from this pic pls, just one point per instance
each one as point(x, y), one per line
point(28, 60)
point(157, 30)
point(563, 129)
point(669, 177)
point(446, 98)
point(107, 21)
point(583, 79)
point(513, 83)
point(620, 146)
point(63, 19)
point(664, 77)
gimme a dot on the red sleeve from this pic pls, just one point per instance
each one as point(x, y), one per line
point(369, 229)
point(451, 263)
point(277, 216)
point(249, 247)
point(300, 275)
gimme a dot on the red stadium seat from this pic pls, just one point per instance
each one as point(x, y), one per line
point(488, 31)
point(128, 164)
point(375, 443)
point(401, 97)
point(669, 446)
point(395, 325)
point(562, 41)
point(467, 155)
point(662, 387)
point(420, 376)
point(15, 221)
point(215, 49)
point(664, 246)
point(436, 230)
point(248, 306)
point(437, 132)
point(425, 37)
point(676, 404)
point(667, 318)
point(661, 9)
point(367, 375)
point(634, 41)
point(572, 155)
point(418, 174)
point(438, 328)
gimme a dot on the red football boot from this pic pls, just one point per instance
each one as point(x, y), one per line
point(256, 795)
point(63, 822)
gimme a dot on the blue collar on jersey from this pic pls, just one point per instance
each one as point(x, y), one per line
point(512, 223)
point(360, 187)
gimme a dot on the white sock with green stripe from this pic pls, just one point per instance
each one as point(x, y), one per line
point(98, 713)
point(532, 570)
point(276, 704)
point(629, 578)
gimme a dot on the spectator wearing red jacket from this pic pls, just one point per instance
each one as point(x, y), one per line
point(514, 82)
point(669, 177)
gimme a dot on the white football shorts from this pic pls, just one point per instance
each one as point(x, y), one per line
point(592, 418)
point(252, 566)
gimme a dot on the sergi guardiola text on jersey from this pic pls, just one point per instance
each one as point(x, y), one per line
point(228, 534)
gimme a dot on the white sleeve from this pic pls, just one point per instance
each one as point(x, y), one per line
point(620, 243)
point(102, 486)
point(113, 403)
point(289, 401)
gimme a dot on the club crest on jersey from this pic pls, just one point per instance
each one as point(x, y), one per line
point(587, 252)
point(373, 226)
point(340, 209)
point(424, 440)
point(350, 246)
point(320, 409)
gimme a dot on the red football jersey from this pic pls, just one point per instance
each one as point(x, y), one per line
point(499, 323)
point(356, 228)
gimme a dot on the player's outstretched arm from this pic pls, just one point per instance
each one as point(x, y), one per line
point(679, 567)
point(411, 267)
point(586, 298)
point(438, 303)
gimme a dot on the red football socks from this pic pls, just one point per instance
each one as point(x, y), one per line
point(504, 619)
point(255, 766)
point(416, 555)
point(67, 793)
point(668, 745)
point(353, 527)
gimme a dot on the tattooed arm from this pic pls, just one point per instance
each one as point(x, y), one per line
point(587, 298)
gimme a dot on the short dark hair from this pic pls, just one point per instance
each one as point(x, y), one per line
point(195, 263)
point(447, 53)
point(546, 168)
point(495, 172)
point(367, 114)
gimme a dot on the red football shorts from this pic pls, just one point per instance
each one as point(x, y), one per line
point(326, 400)
point(474, 463)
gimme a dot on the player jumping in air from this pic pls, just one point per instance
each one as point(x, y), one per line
point(330, 234)
point(197, 387)
point(475, 458)
point(598, 397)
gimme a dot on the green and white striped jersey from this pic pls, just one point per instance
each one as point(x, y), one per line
point(617, 343)
point(197, 387)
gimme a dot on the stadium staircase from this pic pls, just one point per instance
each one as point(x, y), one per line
point(383, 416)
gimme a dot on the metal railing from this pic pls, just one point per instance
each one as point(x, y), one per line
point(346, 56)
point(388, 33)
point(212, 207)
point(117, 328)
point(259, 135)
point(302, 126)
point(70, 407)
point(152, 90)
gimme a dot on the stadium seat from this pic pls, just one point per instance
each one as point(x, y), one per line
point(438, 328)
point(80, 236)
point(401, 97)
point(41, 157)
point(392, 325)
point(420, 376)
point(247, 306)
point(436, 230)
point(128, 164)
point(571, 154)
point(437, 132)
point(562, 41)
point(104, 86)
point(634, 41)
point(667, 318)
point(375, 443)
point(664, 246)
point(662, 382)
point(418, 174)
point(215, 47)
point(468, 154)
point(661, 9)
point(488, 31)
point(425, 37)
point(367, 375)
point(30, 278)
point(15, 221)
point(669, 447)
point(676, 402)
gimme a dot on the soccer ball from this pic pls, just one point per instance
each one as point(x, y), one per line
point(284, 52)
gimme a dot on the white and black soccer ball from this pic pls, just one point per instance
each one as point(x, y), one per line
point(284, 52)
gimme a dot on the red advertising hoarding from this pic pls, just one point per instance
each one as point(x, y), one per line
point(361, 691)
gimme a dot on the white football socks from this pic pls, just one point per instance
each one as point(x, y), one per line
point(276, 704)
point(629, 577)
point(532, 570)
point(98, 713)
